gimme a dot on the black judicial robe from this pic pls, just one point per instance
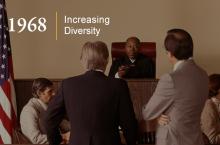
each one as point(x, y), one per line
point(143, 67)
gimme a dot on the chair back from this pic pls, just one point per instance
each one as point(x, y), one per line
point(146, 48)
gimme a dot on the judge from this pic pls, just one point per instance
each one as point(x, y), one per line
point(134, 64)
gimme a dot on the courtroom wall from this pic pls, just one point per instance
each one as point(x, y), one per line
point(40, 54)
point(203, 21)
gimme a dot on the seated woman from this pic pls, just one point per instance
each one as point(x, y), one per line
point(210, 119)
point(30, 118)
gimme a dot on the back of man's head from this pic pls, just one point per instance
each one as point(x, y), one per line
point(94, 55)
point(179, 43)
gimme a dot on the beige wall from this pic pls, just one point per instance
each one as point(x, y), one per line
point(39, 54)
point(203, 21)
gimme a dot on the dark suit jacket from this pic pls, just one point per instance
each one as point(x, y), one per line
point(96, 105)
point(143, 67)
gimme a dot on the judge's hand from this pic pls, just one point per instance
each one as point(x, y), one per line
point(163, 120)
point(122, 70)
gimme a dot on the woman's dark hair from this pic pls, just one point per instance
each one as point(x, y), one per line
point(40, 85)
point(214, 84)
point(179, 43)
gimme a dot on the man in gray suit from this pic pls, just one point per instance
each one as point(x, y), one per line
point(180, 95)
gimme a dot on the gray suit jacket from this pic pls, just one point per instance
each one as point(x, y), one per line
point(181, 95)
point(30, 121)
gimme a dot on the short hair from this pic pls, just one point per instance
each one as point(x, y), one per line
point(179, 43)
point(214, 84)
point(94, 55)
point(40, 84)
point(134, 39)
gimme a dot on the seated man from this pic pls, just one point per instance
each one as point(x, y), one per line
point(31, 115)
point(134, 64)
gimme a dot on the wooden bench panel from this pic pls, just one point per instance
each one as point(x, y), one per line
point(140, 89)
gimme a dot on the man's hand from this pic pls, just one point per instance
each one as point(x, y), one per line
point(65, 137)
point(163, 120)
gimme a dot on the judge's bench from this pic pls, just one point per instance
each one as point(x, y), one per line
point(140, 89)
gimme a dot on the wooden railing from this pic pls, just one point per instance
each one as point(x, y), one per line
point(140, 89)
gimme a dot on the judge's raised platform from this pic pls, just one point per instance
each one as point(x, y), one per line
point(140, 89)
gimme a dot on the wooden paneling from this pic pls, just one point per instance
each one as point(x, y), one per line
point(141, 90)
